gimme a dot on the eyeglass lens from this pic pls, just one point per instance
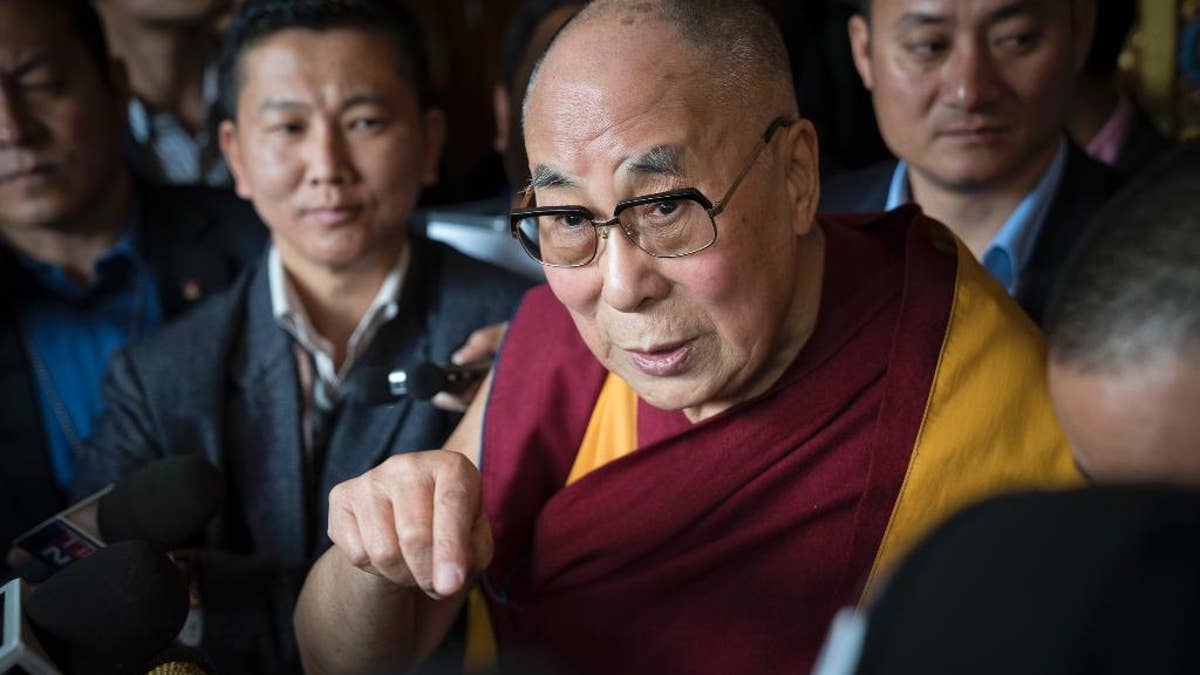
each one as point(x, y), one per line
point(667, 228)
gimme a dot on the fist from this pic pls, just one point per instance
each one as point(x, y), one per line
point(416, 520)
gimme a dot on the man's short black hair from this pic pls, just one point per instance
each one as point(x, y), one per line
point(258, 19)
point(521, 26)
point(1132, 293)
point(85, 24)
point(1114, 22)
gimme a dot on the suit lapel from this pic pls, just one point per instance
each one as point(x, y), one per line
point(1086, 186)
point(267, 461)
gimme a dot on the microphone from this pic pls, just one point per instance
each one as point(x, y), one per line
point(373, 385)
point(167, 503)
point(108, 614)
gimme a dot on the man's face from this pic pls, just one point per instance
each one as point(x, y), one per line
point(60, 123)
point(970, 92)
point(330, 144)
point(698, 332)
point(1136, 426)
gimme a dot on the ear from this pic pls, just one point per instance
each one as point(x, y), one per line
point(1083, 30)
point(860, 49)
point(802, 173)
point(502, 111)
point(435, 138)
point(227, 137)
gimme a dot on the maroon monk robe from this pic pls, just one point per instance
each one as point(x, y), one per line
point(724, 546)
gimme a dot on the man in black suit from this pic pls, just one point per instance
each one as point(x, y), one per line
point(89, 258)
point(332, 134)
point(973, 99)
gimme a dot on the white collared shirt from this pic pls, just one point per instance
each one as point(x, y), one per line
point(290, 315)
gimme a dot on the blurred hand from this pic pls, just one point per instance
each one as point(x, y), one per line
point(416, 520)
point(482, 345)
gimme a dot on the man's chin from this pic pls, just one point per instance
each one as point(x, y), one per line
point(344, 260)
point(37, 214)
point(974, 177)
point(664, 393)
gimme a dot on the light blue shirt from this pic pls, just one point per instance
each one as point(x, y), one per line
point(1008, 254)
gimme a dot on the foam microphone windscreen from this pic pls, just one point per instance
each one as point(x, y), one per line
point(109, 613)
point(167, 502)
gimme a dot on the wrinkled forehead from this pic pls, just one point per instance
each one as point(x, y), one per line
point(608, 93)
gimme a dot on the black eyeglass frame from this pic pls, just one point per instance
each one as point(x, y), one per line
point(691, 194)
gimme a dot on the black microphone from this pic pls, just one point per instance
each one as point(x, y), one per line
point(372, 385)
point(180, 660)
point(108, 614)
point(167, 503)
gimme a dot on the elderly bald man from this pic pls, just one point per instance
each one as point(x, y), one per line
point(720, 417)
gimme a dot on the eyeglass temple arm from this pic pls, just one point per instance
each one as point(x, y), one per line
point(779, 123)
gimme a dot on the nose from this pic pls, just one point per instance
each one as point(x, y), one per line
point(632, 280)
point(329, 160)
point(971, 79)
point(14, 129)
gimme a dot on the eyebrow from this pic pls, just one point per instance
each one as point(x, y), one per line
point(293, 104)
point(546, 177)
point(920, 19)
point(1012, 9)
point(272, 104)
point(661, 160)
point(33, 63)
point(364, 99)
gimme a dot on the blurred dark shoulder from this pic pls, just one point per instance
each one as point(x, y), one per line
point(196, 238)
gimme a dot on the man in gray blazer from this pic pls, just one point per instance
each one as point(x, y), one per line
point(332, 136)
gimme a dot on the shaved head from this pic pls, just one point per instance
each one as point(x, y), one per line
point(1133, 293)
point(738, 41)
point(1125, 333)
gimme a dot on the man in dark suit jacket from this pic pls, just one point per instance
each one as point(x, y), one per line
point(979, 126)
point(81, 244)
point(332, 136)
point(1085, 187)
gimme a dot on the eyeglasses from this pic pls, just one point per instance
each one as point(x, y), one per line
point(664, 225)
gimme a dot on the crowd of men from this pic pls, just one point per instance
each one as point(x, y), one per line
point(744, 396)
